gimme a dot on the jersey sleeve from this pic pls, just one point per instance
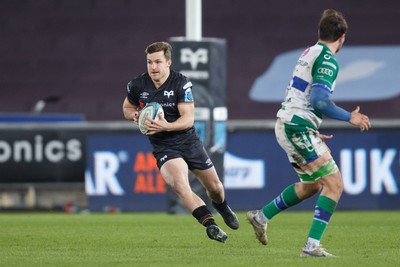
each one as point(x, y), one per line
point(132, 92)
point(324, 71)
point(321, 102)
point(185, 91)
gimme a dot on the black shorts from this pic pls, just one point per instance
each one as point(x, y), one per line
point(192, 152)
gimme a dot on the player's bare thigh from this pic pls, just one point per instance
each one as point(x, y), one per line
point(175, 173)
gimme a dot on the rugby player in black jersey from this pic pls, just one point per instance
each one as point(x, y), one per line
point(176, 146)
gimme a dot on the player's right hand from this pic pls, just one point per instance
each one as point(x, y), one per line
point(136, 117)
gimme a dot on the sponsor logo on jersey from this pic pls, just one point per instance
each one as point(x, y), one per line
point(168, 94)
point(188, 95)
point(328, 56)
point(330, 64)
point(167, 105)
point(144, 95)
point(325, 71)
point(305, 52)
point(187, 85)
point(302, 63)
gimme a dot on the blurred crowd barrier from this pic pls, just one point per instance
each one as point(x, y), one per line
point(97, 165)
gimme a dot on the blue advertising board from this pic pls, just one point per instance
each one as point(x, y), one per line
point(122, 173)
point(369, 163)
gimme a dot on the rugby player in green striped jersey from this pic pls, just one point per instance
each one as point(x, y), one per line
point(306, 103)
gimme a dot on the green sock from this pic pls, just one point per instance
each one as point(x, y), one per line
point(286, 199)
point(323, 212)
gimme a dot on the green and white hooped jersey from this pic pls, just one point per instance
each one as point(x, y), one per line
point(316, 66)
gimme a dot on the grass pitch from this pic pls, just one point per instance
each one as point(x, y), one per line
point(158, 239)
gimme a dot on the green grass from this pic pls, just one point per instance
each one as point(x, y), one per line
point(158, 239)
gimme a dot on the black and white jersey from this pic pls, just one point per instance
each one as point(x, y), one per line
point(176, 89)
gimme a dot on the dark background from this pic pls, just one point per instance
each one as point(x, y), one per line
point(86, 51)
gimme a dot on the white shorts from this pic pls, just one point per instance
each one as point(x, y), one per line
point(303, 145)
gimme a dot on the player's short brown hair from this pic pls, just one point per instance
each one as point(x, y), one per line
point(160, 46)
point(332, 25)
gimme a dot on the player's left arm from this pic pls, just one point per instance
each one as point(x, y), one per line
point(320, 101)
point(185, 121)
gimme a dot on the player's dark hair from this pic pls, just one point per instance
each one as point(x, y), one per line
point(332, 25)
point(160, 46)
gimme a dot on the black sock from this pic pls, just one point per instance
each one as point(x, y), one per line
point(203, 216)
point(221, 206)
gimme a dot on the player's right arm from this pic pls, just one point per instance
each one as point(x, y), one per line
point(131, 104)
point(130, 111)
point(185, 121)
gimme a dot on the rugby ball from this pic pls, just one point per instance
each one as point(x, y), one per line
point(151, 110)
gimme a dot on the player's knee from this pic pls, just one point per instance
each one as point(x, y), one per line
point(340, 187)
point(215, 188)
point(333, 184)
point(306, 190)
point(336, 183)
point(181, 188)
point(314, 189)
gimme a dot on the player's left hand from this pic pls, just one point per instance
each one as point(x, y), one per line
point(156, 126)
point(360, 120)
point(325, 137)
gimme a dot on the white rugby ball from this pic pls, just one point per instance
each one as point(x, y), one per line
point(151, 110)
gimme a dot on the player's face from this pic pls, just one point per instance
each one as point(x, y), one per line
point(158, 66)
